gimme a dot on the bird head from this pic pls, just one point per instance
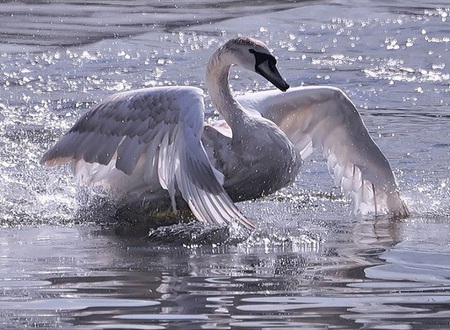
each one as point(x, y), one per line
point(254, 55)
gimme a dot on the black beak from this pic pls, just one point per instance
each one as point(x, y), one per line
point(266, 66)
point(270, 72)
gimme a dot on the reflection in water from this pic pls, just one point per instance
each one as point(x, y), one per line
point(94, 278)
point(310, 264)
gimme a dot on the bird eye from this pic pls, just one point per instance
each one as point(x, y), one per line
point(272, 63)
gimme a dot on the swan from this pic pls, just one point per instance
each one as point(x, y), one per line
point(152, 148)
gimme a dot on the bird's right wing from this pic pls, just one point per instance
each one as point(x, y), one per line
point(324, 118)
point(147, 140)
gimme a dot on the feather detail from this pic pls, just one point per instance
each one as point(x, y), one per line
point(324, 118)
point(145, 141)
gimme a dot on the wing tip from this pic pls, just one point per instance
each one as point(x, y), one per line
point(51, 162)
point(246, 223)
point(218, 210)
point(398, 207)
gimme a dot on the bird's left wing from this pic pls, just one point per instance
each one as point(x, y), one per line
point(147, 140)
point(324, 118)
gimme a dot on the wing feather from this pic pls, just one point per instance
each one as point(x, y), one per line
point(324, 118)
point(144, 141)
point(128, 154)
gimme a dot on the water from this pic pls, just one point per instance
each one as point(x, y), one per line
point(311, 263)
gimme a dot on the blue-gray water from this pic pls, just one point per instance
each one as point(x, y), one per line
point(311, 263)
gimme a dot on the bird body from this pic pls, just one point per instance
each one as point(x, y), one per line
point(253, 167)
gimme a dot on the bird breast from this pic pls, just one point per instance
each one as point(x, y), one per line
point(259, 163)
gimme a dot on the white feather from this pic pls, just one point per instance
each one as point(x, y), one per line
point(154, 132)
point(324, 118)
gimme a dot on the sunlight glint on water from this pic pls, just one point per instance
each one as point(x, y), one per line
point(310, 263)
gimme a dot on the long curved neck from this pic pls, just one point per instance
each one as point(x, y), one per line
point(217, 83)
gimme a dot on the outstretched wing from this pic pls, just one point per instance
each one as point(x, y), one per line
point(324, 118)
point(146, 140)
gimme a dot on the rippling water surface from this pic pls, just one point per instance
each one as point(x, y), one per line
point(311, 263)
